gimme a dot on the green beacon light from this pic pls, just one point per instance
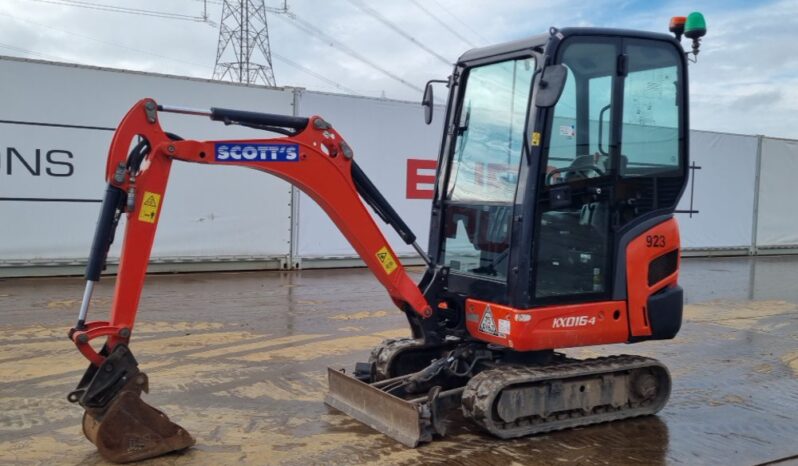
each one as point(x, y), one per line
point(695, 28)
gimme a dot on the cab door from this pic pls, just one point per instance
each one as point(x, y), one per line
point(572, 248)
point(487, 143)
point(615, 157)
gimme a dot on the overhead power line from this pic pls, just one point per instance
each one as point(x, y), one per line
point(463, 23)
point(28, 51)
point(442, 23)
point(104, 42)
point(311, 29)
point(127, 10)
point(314, 74)
point(151, 53)
point(373, 13)
point(294, 20)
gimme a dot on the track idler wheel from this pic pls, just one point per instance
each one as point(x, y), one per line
point(128, 429)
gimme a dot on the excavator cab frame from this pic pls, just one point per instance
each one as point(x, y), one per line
point(544, 222)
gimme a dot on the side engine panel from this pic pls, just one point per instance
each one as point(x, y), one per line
point(652, 273)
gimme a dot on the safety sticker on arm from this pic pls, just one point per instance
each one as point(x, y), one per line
point(149, 207)
point(386, 259)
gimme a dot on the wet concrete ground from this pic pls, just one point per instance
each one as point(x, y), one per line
point(238, 359)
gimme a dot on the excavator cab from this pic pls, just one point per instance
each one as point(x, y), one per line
point(555, 149)
point(562, 160)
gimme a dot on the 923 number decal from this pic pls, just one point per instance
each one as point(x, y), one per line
point(655, 241)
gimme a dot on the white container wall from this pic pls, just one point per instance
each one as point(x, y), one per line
point(50, 214)
point(778, 214)
point(723, 194)
point(47, 208)
point(56, 122)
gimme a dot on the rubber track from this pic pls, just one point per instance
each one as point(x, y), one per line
point(484, 388)
point(383, 354)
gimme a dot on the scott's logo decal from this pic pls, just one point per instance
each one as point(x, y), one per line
point(245, 152)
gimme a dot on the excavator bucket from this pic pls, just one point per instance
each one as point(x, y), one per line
point(122, 426)
point(131, 430)
point(409, 421)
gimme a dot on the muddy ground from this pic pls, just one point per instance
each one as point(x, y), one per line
point(239, 360)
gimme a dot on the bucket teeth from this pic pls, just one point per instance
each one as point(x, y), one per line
point(128, 429)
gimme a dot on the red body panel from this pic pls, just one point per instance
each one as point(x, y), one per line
point(650, 245)
point(583, 324)
point(550, 327)
point(322, 171)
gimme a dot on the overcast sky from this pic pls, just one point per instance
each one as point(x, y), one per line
point(746, 79)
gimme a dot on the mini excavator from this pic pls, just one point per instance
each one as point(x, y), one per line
point(562, 160)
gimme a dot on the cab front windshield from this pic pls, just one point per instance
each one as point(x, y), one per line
point(489, 138)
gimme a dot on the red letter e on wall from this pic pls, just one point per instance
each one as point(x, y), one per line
point(420, 185)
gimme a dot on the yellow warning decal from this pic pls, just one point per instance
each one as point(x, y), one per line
point(387, 260)
point(535, 138)
point(149, 207)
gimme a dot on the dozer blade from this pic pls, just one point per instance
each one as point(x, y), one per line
point(393, 416)
point(409, 422)
point(132, 430)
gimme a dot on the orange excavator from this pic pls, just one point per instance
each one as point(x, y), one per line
point(562, 160)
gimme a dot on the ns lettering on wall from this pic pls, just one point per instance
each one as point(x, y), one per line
point(39, 162)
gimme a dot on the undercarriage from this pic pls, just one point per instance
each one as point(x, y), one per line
point(506, 393)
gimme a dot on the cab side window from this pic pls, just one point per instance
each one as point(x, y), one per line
point(650, 111)
point(562, 143)
point(578, 145)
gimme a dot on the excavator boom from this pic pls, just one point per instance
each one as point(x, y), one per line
point(311, 156)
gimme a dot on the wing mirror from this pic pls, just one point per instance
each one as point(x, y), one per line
point(428, 101)
point(551, 85)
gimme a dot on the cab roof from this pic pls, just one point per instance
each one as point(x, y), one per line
point(540, 41)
